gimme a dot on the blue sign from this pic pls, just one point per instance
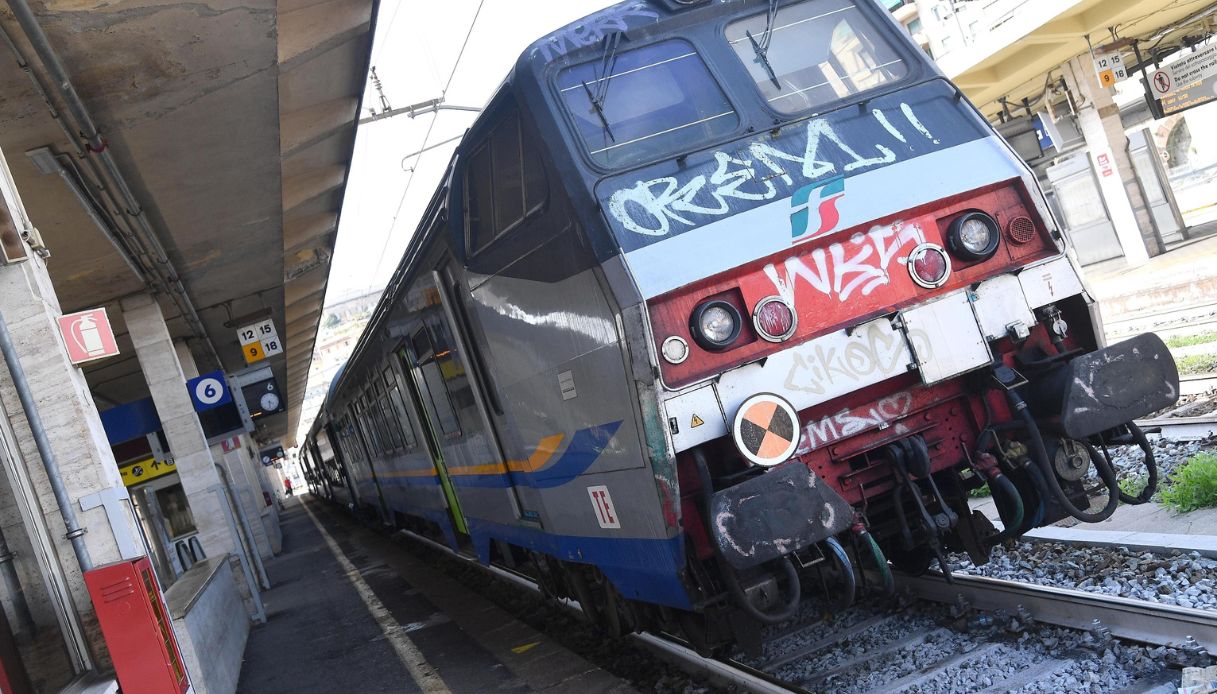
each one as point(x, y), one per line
point(1041, 132)
point(131, 421)
point(209, 391)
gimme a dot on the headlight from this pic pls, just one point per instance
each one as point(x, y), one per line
point(715, 325)
point(973, 236)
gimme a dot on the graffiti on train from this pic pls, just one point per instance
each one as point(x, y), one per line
point(831, 428)
point(594, 29)
point(861, 264)
point(843, 143)
point(872, 354)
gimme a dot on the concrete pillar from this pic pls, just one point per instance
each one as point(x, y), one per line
point(236, 476)
point(250, 497)
point(32, 522)
point(1099, 121)
point(269, 513)
point(162, 366)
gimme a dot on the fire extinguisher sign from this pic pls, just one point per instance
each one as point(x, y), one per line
point(88, 336)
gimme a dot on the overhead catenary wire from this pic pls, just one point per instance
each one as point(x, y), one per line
point(426, 137)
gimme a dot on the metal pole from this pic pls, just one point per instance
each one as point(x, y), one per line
point(259, 615)
point(49, 463)
point(247, 532)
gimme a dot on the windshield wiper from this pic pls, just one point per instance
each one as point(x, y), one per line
point(608, 59)
point(763, 59)
point(598, 109)
point(761, 48)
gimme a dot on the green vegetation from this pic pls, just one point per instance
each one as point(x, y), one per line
point(980, 492)
point(1197, 364)
point(1189, 340)
point(1192, 486)
point(1133, 486)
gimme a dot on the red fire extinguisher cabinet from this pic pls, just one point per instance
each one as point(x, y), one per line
point(137, 628)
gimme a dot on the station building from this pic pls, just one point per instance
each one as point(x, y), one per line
point(1131, 175)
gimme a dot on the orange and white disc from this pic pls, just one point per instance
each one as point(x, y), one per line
point(766, 429)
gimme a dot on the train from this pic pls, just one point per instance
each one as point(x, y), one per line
point(725, 306)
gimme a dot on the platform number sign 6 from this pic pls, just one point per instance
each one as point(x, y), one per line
point(606, 514)
point(209, 391)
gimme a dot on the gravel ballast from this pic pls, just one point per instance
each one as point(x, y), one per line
point(1186, 580)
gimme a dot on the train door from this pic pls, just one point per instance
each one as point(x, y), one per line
point(418, 362)
point(448, 378)
point(332, 432)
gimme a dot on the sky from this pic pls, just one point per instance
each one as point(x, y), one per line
point(415, 50)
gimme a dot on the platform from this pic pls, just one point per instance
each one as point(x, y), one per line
point(350, 610)
point(1175, 292)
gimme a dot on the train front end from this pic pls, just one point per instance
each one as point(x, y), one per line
point(859, 307)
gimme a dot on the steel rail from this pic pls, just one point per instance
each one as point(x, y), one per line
point(1182, 427)
point(721, 672)
point(1135, 620)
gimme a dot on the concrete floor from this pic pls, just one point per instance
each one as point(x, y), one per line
point(322, 636)
point(1146, 518)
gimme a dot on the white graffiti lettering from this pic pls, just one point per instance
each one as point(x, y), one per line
point(822, 369)
point(650, 207)
point(846, 423)
point(594, 29)
point(861, 263)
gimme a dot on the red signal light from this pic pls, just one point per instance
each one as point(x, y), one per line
point(774, 320)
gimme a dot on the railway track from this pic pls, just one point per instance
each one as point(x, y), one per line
point(978, 639)
point(1135, 620)
point(1195, 419)
point(969, 635)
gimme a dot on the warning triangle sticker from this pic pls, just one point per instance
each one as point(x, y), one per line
point(697, 421)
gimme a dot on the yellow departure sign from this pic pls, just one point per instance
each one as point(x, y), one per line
point(144, 470)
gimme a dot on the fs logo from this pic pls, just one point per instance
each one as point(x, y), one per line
point(824, 197)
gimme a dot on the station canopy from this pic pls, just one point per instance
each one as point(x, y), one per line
point(232, 125)
point(1029, 39)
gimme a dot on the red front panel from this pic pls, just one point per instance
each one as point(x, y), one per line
point(137, 628)
point(843, 279)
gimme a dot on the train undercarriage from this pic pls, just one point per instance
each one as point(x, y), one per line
point(883, 476)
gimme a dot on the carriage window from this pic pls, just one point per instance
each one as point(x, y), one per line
point(813, 53)
point(399, 409)
point(347, 437)
point(504, 183)
point(392, 431)
point(366, 417)
point(632, 105)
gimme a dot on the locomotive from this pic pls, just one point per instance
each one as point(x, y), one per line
point(722, 303)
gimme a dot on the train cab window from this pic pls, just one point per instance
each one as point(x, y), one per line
point(633, 105)
point(505, 182)
point(812, 53)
